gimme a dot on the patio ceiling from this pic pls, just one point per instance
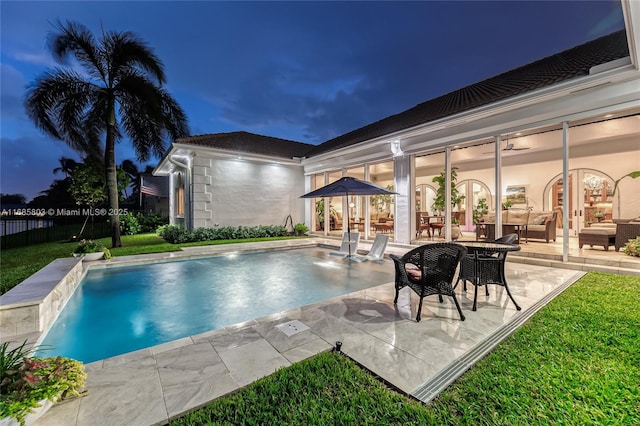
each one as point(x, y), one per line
point(585, 138)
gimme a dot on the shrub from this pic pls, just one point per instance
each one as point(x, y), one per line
point(88, 246)
point(174, 234)
point(177, 235)
point(632, 248)
point(300, 229)
point(129, 224)
point(151, 221)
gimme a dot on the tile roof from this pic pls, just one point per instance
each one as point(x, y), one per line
point(571, 63)
point(249, 143)
point(563, 66)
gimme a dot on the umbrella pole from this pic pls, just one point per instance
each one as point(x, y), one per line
point(348, 225)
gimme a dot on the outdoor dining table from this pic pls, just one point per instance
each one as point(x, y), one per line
point(484, 264)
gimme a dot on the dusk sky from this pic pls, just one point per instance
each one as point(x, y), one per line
point(306, 71)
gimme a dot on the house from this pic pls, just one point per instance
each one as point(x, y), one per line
point(573, 114)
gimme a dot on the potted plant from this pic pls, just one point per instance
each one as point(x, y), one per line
point(31, 385)
point(91, 250)
point(300, 229)
point(598, 215)
point(456, 197)
point(320, 212)
point(481, 209)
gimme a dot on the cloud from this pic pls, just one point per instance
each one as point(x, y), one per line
point(12, 86)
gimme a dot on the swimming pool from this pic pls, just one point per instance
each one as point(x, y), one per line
point(121, 309)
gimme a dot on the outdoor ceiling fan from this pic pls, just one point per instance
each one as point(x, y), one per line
point(509, 147)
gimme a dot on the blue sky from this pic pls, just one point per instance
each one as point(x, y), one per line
point(306, 71)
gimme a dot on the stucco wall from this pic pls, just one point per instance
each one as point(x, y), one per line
point(229, 192)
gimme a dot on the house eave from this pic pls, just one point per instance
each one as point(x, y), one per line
point(448, 130)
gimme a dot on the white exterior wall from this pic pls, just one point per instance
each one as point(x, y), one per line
point(230, 192)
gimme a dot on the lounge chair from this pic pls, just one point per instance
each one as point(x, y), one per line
point(429, 270)
point(377, 248)
point(349, 244)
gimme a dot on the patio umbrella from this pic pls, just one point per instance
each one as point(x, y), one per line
point(343, 188)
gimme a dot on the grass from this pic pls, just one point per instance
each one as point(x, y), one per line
point(17, 264)
point(576, 362)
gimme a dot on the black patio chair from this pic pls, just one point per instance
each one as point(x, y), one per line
point(486, 267)
point(429, 270)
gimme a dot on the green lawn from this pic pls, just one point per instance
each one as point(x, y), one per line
point(17, 264)
point(576, 362)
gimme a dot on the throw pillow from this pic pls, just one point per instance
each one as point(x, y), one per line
point(539, 220)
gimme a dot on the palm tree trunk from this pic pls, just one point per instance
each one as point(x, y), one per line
point(112, 185)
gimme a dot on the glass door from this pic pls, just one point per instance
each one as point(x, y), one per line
point(590, 199)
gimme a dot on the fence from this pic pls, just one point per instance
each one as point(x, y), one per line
point(19, 231)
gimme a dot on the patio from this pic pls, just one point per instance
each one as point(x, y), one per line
point(156, 384)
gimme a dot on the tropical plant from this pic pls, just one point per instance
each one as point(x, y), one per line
point(320, 210)
point(11, 359)
point(120, 93)
point(29, 381)
point(481, 209)
point(381, 201)
point(632, 175)
point(300, 228)
point(439, 200)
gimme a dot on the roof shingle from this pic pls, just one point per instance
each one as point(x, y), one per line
point(568, 64)
point(249, 143)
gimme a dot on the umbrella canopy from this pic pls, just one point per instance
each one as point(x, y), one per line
point(348, 186)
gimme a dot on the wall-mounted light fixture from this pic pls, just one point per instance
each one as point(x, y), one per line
point(395, 148)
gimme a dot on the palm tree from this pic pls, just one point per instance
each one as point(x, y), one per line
point(66, 166)
point(120, 92)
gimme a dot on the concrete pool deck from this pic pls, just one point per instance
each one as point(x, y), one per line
point(154, 385)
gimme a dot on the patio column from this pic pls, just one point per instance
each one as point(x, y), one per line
point(402, 185)
point(565, 192)
point(498, 178)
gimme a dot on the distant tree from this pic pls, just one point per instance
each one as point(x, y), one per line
point(88, 186)
point(66, 166)
point(120, 93)
point(57, 195)
point(6, 199)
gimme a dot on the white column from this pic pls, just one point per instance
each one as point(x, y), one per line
point(402, 185)
point(565, 191)
point(498, 178)
point(447, 192)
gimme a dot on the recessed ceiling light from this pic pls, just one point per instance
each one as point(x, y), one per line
point(608, 116)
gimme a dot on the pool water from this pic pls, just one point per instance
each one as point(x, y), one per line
point(121, 309)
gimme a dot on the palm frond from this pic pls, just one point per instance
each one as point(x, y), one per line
point(75, 39)
point(56, 102)
point(127, 52)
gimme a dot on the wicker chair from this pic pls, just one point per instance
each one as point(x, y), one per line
point(481, 268)
point(625, 232)
point(429, 270)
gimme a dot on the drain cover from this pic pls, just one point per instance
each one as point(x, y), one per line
point(292, 327)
